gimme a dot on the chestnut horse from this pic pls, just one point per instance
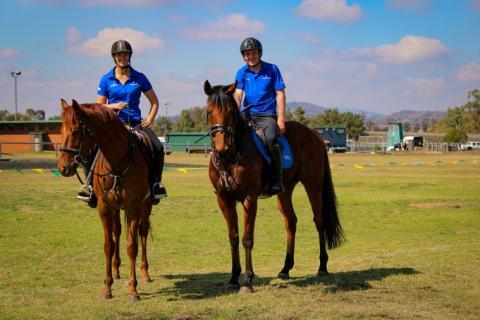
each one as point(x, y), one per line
point(238, 173)
point(120, 180)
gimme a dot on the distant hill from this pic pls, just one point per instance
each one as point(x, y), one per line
point(411, 116)
point(310, 108)
point(378, 118)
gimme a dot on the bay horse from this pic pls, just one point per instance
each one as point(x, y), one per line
point(120, 181)
point(238, 173)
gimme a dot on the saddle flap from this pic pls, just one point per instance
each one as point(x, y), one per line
point(287, 156)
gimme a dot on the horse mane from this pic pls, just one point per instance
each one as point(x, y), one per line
point(101, 113)
point(225, 102)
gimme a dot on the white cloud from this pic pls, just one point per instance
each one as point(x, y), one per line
point(423, 86)
point(411, 49)
point(304, 37)
point(336, 10)
point(469, 72)
point(411, 5)
point(9, 53)
point(101, 44)
point(233, 26)
point(74, 35)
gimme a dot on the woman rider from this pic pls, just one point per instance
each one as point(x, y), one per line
point(120, 89)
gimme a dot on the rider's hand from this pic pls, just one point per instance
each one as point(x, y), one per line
point(146, 123)
point(281, 126)
point(118, 106)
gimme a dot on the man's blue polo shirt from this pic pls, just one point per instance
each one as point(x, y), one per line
point(260, 88)
point(130, 93)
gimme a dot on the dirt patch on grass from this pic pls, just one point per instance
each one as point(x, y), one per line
point(436, 205)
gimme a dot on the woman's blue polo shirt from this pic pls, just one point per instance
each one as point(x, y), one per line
point(129, 92)
point(260, 88)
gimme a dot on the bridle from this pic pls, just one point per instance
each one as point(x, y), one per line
point(79, 159)
point(77, 152)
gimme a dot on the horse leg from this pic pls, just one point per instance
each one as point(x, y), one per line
point(117, 231)
point(108, 248)
point(284, 203)
point(132, 251)
point(230, 214)
point(144, 229)
point(315, 197)
point(250, 213)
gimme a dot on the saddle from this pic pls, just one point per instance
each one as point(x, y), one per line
point(146, 145)
point(259, 139)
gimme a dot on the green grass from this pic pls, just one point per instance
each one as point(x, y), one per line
point(413, 248)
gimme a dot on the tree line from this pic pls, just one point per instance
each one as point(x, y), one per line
point(457, 122)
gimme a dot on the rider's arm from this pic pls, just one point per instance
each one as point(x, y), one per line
point(115, 106)
point(238, 95)
point(152, 97)
point(281, 111)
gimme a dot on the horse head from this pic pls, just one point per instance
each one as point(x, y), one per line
point(77, 142)
point(223, 115)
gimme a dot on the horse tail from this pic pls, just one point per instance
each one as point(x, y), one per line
point(333, 230)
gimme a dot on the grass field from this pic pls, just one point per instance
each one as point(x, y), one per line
point(413, 251)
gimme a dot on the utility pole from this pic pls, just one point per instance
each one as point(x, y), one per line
point(15, 75)
point(166, 119)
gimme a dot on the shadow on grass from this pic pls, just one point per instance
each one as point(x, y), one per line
point(351, 280)
point(211, 285)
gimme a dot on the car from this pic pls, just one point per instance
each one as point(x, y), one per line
point(167, 148)
point(471, 145)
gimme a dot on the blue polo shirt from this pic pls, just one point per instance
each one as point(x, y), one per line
point(129, 92)
point(260, 88)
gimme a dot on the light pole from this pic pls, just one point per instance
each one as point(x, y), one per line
point(166, 119)
point(15, 75)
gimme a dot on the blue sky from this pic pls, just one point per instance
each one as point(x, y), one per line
point(375, 55)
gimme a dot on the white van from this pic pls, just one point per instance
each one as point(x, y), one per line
point(471, 145)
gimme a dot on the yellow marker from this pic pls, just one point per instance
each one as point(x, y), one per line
point(430, 164)
point(474, 162)
point(182, 170)
point(38, 171)
point(357, 166)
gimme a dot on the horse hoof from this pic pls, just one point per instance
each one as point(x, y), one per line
point(232, 287)
point(105, 296)
point(134, 298)
point(245, 289)
point(147, 279)
point(322, 273)
point(283, 276)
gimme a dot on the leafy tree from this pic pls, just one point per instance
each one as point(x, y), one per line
point(185, 123)
point(55, 117)
point(299, 115)
point(354, 124)
point(407, 126)
point(162, 126)
point(458, 121)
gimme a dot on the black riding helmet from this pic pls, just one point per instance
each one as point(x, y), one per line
point(121, 46)
point(251, 43)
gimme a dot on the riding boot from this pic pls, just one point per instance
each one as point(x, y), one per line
point(158, 189)
point(277, 182)
point(86, 192)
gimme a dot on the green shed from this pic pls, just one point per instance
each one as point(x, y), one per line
point(181, 141)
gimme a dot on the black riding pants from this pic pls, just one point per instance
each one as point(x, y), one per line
point(269, 125)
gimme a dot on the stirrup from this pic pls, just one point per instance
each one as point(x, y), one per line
point(159, 191)
point(85, 193)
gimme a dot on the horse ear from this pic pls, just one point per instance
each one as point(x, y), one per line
point(231, 88)
point(207, 88)
point(77, 108)
point(63, 103)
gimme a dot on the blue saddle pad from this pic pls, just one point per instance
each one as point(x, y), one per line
point(287, 157)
